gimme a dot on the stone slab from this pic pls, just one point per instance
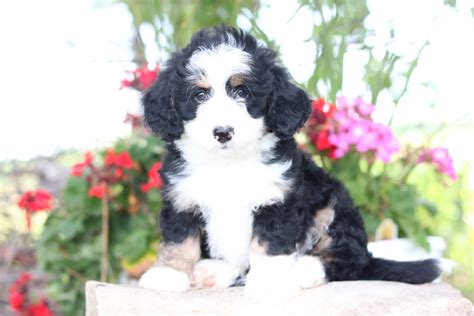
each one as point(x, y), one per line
point(336, 298)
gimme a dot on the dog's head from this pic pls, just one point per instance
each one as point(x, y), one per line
point(224, 91)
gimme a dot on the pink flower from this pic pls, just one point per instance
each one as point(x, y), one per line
point(364, 109)
point(349, 126)
point(353, 128)
point(440, 158)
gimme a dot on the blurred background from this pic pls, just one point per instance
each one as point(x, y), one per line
point(72, 73)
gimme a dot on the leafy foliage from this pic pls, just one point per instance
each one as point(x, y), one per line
point(360, 152)
point(70, 245)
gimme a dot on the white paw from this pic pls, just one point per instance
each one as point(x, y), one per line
point(165, 279)
point(213, 273)
point(272, 279)
point(309, 272)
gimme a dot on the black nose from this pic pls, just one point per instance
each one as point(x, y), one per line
point(223, 134)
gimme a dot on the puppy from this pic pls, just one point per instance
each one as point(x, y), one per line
point(242, 204)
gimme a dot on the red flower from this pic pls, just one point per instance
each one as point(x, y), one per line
point(141, 79)
point(118, 173)
point(332, 153)
point(34, 201)
point(322, 140)
point(40, 309)
point(154, 179)
point(78, 169)
point(146, 76)
point(16, 298)
point(98, 190)
point(16, 293)
point(121, 159)
point(110, 157)
point(19, 301)
point(126, 83)
point(124, 160)
point(322, 110)
point(23, 279)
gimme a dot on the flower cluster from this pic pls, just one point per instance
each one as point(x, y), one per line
point(154, 179)
point(78, 168)
point(440, 158)
point(319, 125)
point(349, 126)
point(19, 299)
point(111, 172)
point(120, 160)
point(35, 201)
point(141, 78)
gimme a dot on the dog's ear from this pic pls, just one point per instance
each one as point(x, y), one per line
point(160, 112)
point(289, 106)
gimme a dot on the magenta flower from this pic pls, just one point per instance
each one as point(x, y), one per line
point(364, 109)
point(440, 158)
point(352, 127)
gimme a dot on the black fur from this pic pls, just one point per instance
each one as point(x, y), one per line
point(285, 106)
point(281, 226)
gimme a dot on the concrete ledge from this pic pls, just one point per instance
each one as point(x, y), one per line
point(336, 298)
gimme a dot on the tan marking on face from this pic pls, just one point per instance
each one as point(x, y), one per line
point(256, 248)
point(202, 82)
point(182, 256)
point(237, 80)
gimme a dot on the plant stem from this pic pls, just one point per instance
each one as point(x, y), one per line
point(104, 264)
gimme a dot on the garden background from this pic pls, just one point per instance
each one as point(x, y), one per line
point(72, 75)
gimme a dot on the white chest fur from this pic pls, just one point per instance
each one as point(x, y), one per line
point(227, 190)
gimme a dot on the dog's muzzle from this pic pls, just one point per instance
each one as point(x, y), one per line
point(223, 134)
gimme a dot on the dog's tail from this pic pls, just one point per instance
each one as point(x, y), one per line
point(414, 272)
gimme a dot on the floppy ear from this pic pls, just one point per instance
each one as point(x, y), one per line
point(289, 107)
point(159, 109)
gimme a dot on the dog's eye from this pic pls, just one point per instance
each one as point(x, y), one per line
point(200, 95)
point(242, 92)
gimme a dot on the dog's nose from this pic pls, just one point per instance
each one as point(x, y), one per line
point(223, 134)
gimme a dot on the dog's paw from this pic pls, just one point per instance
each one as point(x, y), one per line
point(165, 279)
point(309, 272)
point(213, 273)
point(272, 279)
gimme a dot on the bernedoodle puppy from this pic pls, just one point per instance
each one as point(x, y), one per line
point(242, 204)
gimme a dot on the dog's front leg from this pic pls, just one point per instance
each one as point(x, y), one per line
point(178, 252)
point(277, 270)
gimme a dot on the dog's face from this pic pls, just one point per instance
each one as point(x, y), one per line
point(224, 92)
point(220, 99)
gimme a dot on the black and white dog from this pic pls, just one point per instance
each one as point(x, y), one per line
point(242, 204)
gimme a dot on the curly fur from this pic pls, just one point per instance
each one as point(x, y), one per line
point(266, 190)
